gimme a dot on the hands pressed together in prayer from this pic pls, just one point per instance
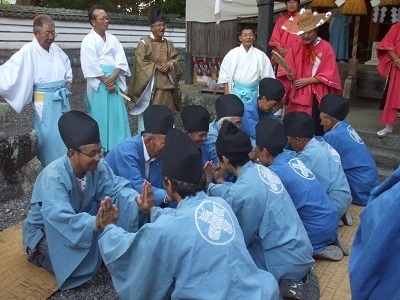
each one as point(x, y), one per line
point(214, 172)
point(163, 68)
point(145, 201)
point(107, 214)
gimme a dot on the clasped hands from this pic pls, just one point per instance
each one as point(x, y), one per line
point(110, 83)
point(299, 83)
point(213, 172)
point(108, 212)
point(163, 67)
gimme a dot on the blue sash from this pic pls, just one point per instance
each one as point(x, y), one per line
point(109, 110)
point(244, 91)
point(56, 103)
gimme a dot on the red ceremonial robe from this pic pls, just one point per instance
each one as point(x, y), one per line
point(386, 66)
point(281, 37)
point(327, 73)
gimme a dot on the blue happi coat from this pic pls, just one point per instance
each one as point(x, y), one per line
point(316, 210)
point(272, 229)
point(323, 160)
point(61, 213)
point(193, 252)
point(213, 130)
point(374, 260)
point(357, 162)
point(127, 160)
point(207, 152)
point(252, 115)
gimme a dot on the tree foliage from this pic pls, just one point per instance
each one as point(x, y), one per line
point(174, 8)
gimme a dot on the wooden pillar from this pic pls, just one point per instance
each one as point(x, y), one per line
point(265, 24)
point(350, 84)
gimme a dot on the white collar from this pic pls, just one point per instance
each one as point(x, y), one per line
point(152, 36)
point(336, 125)
point(145, 153)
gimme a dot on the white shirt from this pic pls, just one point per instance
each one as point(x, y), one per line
point(147, 159)
point(244, 66)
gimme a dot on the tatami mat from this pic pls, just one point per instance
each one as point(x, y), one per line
point(333, 276)
point(20, 279)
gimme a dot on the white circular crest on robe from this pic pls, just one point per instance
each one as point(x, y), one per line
point(214, 223)
point(334, 154)
point(300, 168)
point(354, 135)
point(271, 179)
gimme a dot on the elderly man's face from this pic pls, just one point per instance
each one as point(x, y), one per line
point(158, 30)
point(247, 38)
point(156, 145)
point(198, 137)
point(45, 36)
point(237, 121)
point(309, 37)
point(87, 158)
point(326, 121)
point(100, 20)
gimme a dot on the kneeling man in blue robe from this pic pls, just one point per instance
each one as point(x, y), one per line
point(321, 158)
point(195, 251)
point(316, 210)
point(138, 158)
point(357, 161)
point(270, 93)
point(195, 119)
point(61, 230)
point(228, 108)
point(272, 229)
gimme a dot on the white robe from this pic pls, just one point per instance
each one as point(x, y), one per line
point(244, 67)
point(95, 52)
point(29, 66)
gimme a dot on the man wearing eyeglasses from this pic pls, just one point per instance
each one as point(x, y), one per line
point(156, 70)
point(139, 157)
point(40, 71)
point(105, 68)
point(62, 228)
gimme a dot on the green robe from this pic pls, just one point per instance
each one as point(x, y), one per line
point(150, 52)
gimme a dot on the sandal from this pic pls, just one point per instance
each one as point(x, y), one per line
point(339, 243)
point(347, 219)
point(382, 133)
point(331, 252)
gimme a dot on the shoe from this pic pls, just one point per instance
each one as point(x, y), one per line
point(339, 243)
point(347, 219)
point(331, 252)
point(382, 133)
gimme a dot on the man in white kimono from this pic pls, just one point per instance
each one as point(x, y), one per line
point(61, 230)
point(243, 68)
point(105, 68)
point(41, 71)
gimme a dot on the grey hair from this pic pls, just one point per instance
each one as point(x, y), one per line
point(40, 20)
point(222, 121)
